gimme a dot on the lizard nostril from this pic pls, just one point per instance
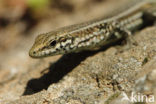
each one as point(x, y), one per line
point(34, 52)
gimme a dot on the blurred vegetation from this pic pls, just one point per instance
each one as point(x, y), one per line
point(38, 4)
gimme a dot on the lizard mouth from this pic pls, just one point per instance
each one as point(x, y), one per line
point(40, 54)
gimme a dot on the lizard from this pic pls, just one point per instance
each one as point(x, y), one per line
point(94, 34)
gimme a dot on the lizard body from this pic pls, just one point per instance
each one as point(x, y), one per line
point(93, 34)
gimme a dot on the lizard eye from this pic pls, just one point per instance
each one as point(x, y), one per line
point(53, 43)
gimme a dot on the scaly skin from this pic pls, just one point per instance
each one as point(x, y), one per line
point(94, 34)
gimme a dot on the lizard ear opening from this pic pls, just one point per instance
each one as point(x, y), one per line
point(53, 43)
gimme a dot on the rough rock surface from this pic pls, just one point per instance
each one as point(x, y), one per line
point(95, 77)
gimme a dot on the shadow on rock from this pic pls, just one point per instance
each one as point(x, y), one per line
point(58, 70)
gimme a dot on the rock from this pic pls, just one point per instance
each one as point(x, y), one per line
point(91, 77)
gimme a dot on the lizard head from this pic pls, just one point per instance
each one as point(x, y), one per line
point(50, 44)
